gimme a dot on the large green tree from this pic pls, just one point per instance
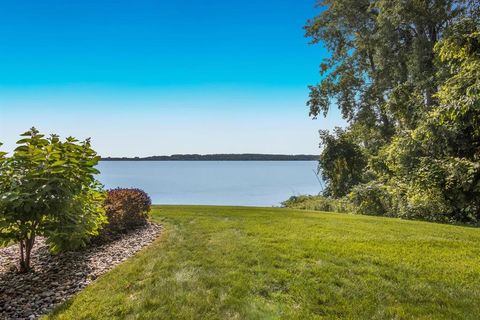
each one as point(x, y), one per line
point(395, 71)
point(379, 49)
point(441, 157)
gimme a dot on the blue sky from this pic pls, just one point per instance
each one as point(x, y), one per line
point(161, 77)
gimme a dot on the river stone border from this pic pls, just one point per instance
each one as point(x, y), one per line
point(55, 278)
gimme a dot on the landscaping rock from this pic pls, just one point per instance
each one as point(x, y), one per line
point(55, 278)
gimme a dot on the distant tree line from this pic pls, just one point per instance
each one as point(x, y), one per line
point(220, 157)
point(405, 74)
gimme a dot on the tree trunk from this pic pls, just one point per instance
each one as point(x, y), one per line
point(429, 100)
point(22, 268)
point(25, 253)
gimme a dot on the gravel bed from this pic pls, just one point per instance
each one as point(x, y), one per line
point(55, 278)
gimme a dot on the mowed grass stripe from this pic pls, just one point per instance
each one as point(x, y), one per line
point(266, 263)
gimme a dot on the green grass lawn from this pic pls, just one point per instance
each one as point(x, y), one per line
point(266, 263)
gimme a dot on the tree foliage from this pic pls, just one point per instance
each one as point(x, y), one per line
point(48, 189)
point(405, 74)
point(342, 162)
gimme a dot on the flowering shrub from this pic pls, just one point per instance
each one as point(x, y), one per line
point(126, 209)
point(48, 188)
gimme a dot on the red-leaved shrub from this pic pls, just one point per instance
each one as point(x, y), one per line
point(126, 209)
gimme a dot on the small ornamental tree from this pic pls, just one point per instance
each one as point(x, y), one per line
point(48, 188)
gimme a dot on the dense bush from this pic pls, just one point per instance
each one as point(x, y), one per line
point(319, 203)
point(126, 209)
point(372, 199)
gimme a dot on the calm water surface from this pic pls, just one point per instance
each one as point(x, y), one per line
point(248, 183)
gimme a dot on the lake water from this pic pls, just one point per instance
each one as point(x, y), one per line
point(247, 183)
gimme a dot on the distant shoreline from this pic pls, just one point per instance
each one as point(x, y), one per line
point(220, 157)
